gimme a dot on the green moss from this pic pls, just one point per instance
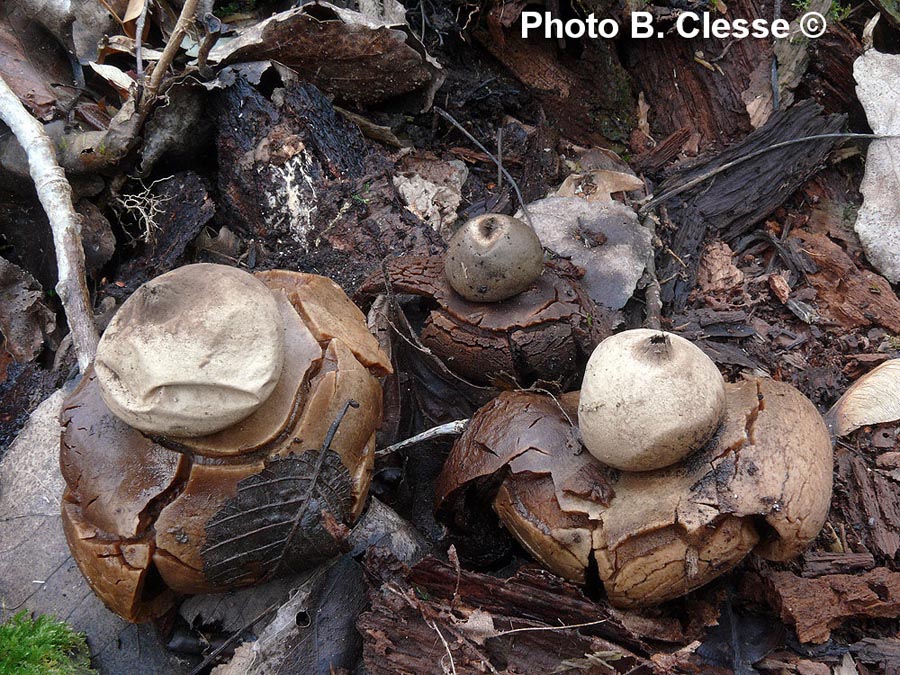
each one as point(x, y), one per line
point(229, 7)
point(42, 646)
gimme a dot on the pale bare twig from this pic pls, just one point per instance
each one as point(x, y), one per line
point(437, 630)
point(449, 429)
point(184, 20)
point(447, 116)
point(138, 41)
point(553, 628)
point(55, 195)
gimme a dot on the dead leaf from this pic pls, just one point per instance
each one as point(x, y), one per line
point(29, 80)
point(357, 59)
point(717, 272)
point(598, 185)
point(24, 319)
point(116, 78)
point(878, 222)
point(317, 481)
point(478, 626)
point(604, 238)
point(432, 189)
point(872, 399)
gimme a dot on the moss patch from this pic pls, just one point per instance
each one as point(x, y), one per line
point(42, 646)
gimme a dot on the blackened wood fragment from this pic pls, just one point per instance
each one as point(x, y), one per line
point(734, 201)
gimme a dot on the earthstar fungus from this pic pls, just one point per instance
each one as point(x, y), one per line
point(545, 332)
point(762, 483)
point(149, 515)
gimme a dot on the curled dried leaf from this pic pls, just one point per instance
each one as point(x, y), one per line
point(872, 399)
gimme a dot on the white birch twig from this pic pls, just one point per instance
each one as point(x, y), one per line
point(55, 195)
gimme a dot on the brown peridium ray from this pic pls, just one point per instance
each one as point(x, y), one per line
point(544, 333)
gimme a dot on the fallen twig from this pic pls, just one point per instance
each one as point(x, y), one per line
point(55, 195)
point(447, 116)
point(653, 309)
point(454, 428)
point(174, 44)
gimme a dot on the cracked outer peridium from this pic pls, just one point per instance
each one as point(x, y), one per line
point(135, 507)
point(762, 484)
point(545, 330)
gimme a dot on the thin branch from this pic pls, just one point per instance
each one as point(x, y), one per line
point(447, 116)
point(437, 630)
point(652, 297)
point(174, 44)
point(678, 189)
point(551, 628)
point(454, 428)
point(55, 195)
point(138, 41)
point(234, 637)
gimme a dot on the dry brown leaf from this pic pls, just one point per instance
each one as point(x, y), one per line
point(24, 319)
point(717, 271)
point(872, 399)
point(117, 79)
point(598, 185)
point(478, 626)
point(358, 59)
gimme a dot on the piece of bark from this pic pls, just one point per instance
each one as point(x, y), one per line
point(666, 150)
point(883, 652)
point(851, 296)
point(434, 612)
point(740, 197)
point(300, 180)
point(707, 100)
point(817, 606)
point(182, 207)
point(820, 563)
point(871, 506)
point(567, 85)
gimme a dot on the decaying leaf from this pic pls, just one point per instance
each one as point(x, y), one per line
point(296, 495)
point(604, 238)
point(598, 185)
point(432, 190)
point(24, 319)
point(872, 399)
point(32, 82)
point(878, 222)
point(357, 59)
point(717, 271)
point(115, 77)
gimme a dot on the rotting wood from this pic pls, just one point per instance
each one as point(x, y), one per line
point(820, 563)
point(734, 201)
point(817, 606)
